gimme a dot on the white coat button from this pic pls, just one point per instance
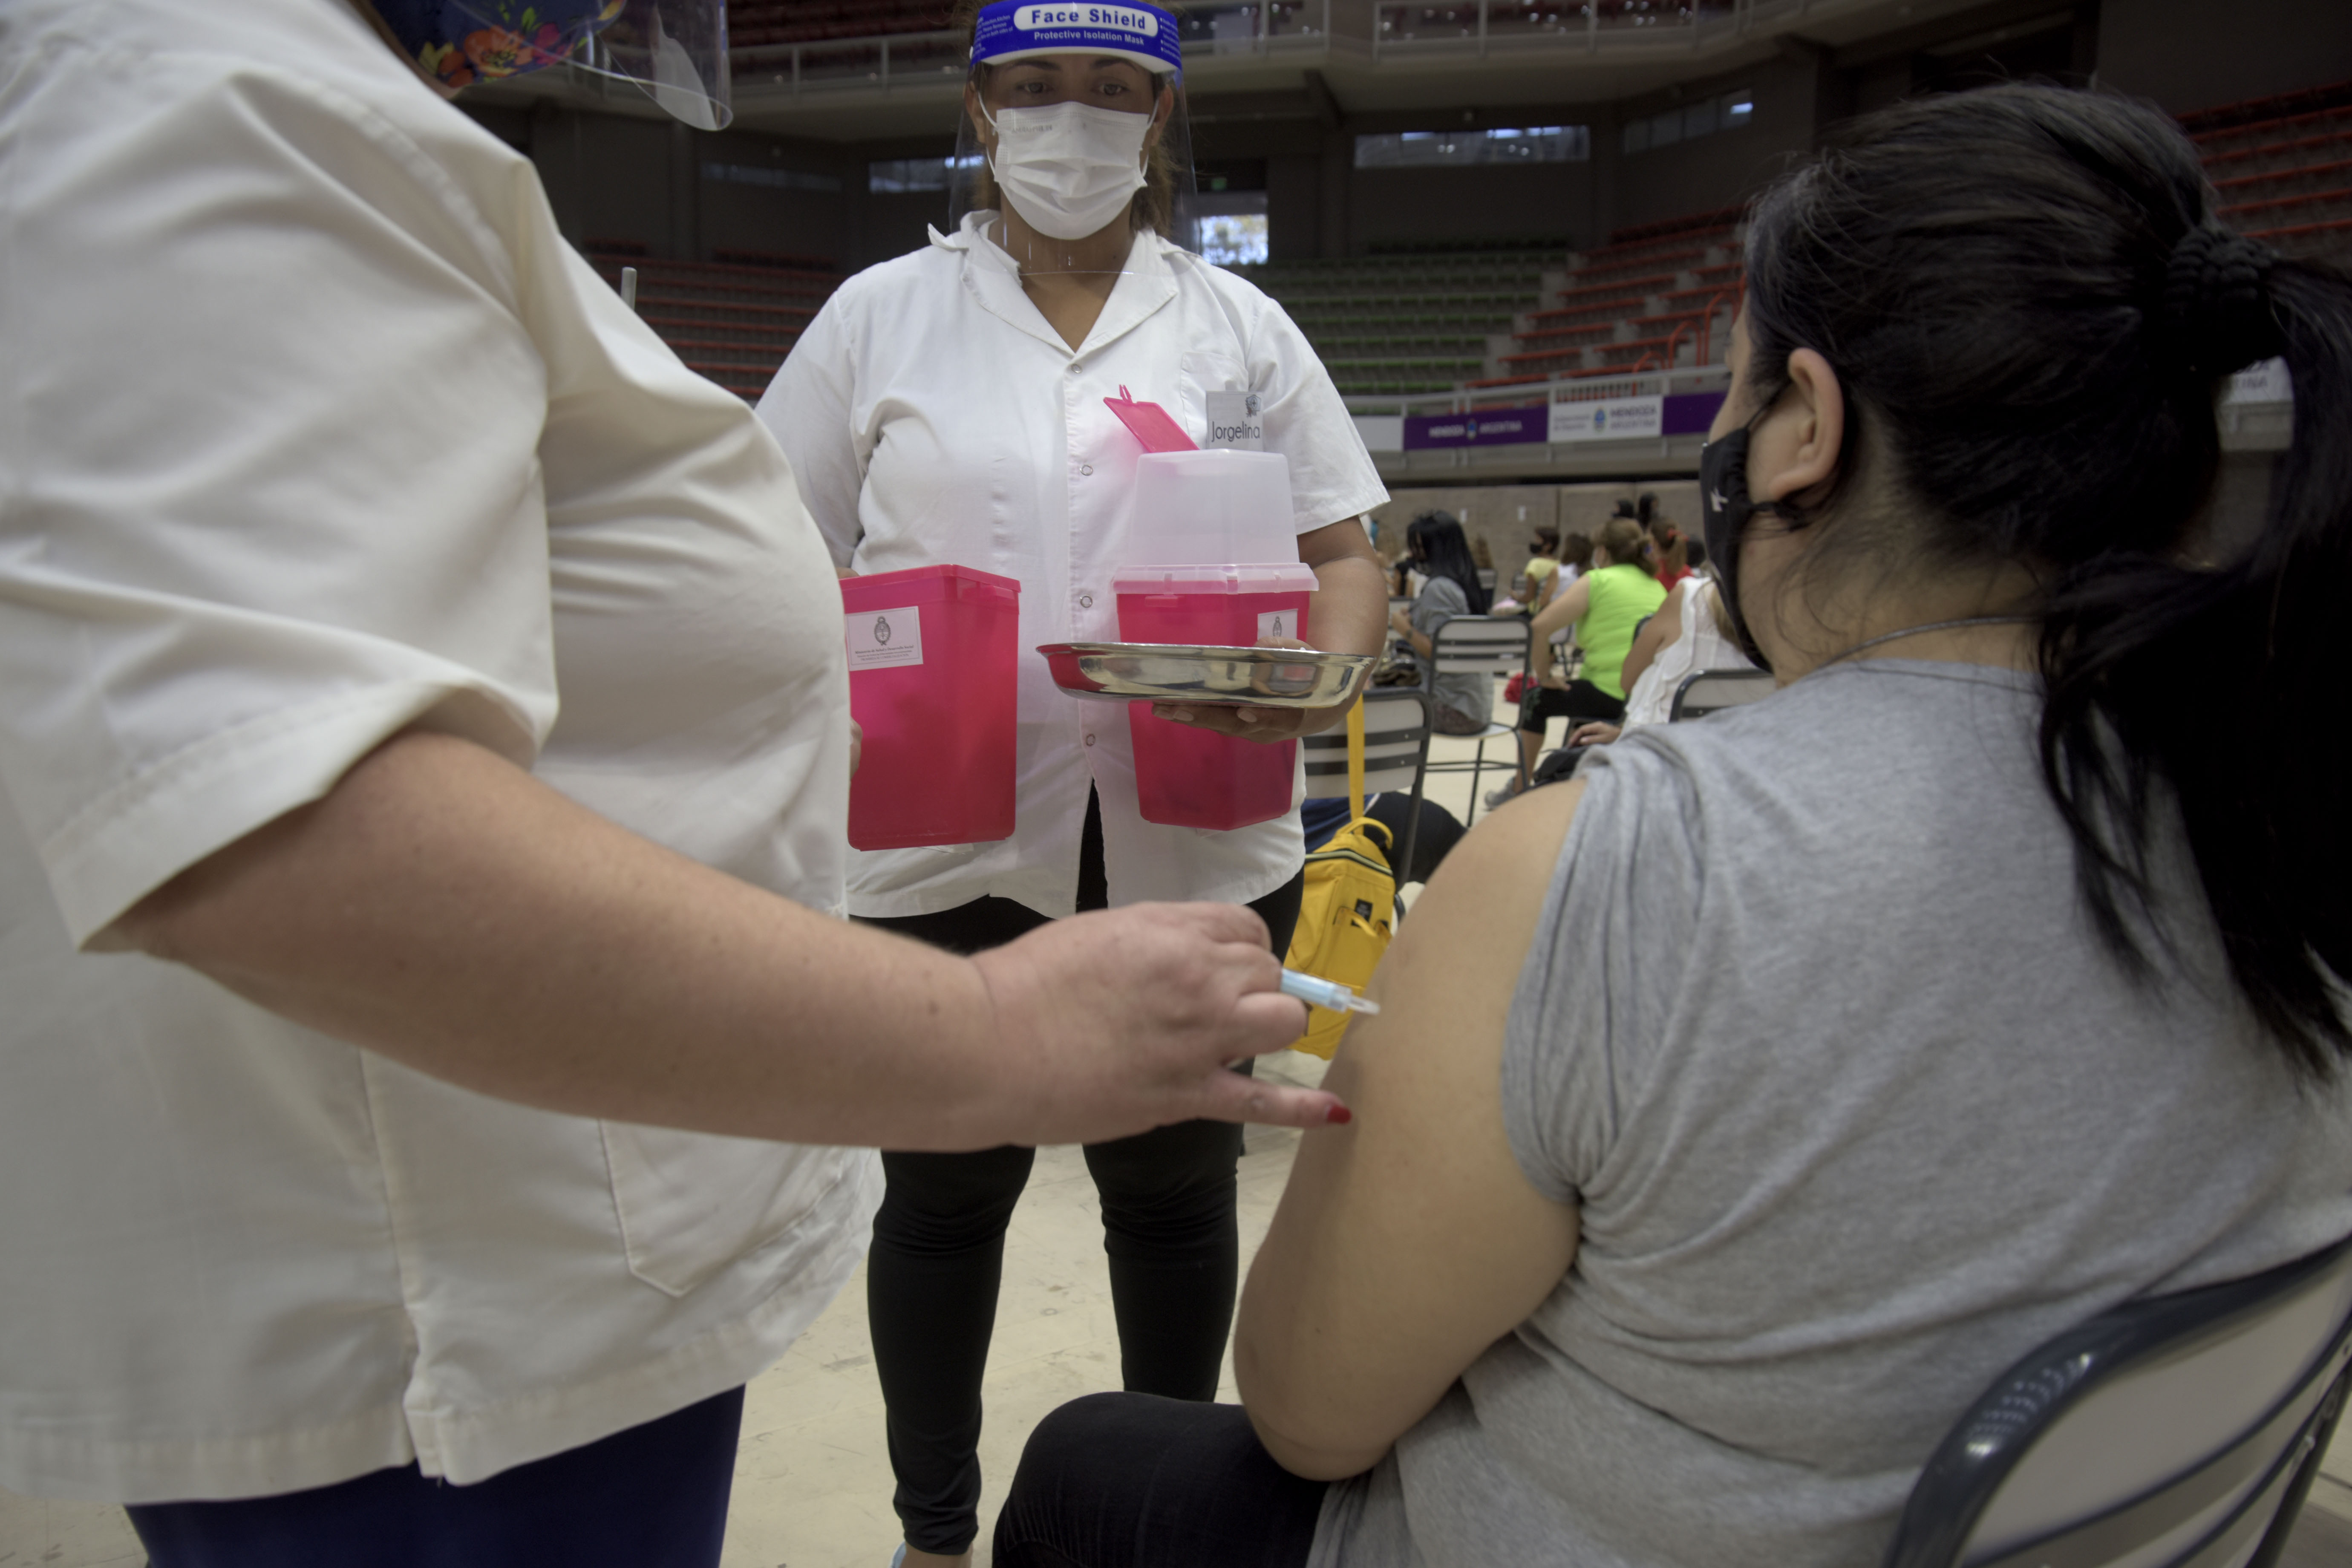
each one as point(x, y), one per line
point(1086, 600)
point(1090, 740)
point(1086, 467)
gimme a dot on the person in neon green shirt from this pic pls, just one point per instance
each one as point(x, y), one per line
point(1606, 605)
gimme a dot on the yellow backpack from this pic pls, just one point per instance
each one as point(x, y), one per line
point(1348, 911)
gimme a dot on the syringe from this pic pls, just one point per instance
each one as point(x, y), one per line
point(1322, 993)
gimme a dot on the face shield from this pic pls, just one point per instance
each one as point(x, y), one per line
point(1074, 135)
point(676, 51)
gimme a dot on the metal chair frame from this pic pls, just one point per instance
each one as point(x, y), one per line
point(2234, 1503)
point(1509, 655)
point(1706, 691)
point(1389, 752)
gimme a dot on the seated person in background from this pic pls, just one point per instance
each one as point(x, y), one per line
point(1690, 633)
point(1669, 547)
point(1739, 1110)
point(1575, 558)
point(1434, 543)
point(1441, 830)
point(1604, 605)
point(1539, 578)
point(1405, 580)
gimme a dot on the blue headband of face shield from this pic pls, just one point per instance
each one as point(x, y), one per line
point(459, 42)
point(1017, 29)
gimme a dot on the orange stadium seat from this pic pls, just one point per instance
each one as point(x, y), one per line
point(728, 320)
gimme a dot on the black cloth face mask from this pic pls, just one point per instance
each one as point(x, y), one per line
point(1725, 509)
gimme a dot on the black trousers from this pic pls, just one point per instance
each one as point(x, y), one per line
point(1124, 1480)
point(653, 1496)
point(1441, 830)
point(937, 1256)
point(1580, 703)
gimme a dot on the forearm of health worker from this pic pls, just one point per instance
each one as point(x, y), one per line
point(443, 907)
point(1348, 613)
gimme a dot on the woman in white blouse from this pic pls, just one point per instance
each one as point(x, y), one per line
point(949, 406)
point(356, 996)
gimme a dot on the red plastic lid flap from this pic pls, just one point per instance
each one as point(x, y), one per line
point(1149, 423)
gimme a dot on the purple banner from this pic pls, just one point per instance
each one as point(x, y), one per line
point(1684, 414)
point(1689, 413)
point(1487, 428)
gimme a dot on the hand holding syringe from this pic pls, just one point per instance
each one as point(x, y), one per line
point(1321, 993)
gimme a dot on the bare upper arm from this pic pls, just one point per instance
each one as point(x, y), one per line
point(1565, 610)
point(1342, 540)
point(1656, 633)
point(1407, 1244)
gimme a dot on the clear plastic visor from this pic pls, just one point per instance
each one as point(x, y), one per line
point(675, 50)
point(1065, 158)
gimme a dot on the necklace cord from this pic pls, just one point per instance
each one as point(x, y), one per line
point(1916, 631)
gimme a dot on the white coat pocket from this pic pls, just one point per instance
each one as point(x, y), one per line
point(691, 1204)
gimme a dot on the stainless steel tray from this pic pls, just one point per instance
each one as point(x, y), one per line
point(1237, 676)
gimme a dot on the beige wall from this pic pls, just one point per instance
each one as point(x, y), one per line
point(1505, 517)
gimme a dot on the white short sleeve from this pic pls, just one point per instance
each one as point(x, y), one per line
point(309, 515)
point(1331, 475)
point(1610, 954)
point(808, 407)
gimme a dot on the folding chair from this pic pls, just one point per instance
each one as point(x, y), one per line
point(1712, 690)
point(2176, 1432)
point(1396, 751)
point(1477, 645)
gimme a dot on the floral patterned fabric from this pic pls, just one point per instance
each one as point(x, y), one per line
point(459, 42)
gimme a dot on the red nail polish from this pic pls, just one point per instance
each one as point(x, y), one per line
point(1341, 1116)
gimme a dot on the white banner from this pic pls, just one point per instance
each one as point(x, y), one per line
point(1381, 432)
point(1607, 419)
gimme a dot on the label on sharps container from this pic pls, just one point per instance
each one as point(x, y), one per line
point(881, 639)
point(1279, 624)
point(1234, 422)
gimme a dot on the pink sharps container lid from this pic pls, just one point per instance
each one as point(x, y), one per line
point(1270, 577)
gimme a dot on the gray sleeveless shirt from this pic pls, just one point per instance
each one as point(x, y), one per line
point(1857, 1112)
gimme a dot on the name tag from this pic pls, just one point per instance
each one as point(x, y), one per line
point(1234, 422)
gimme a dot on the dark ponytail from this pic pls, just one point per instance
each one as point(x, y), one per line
point(2032, 306)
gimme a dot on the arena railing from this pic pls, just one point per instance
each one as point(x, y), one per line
point(1397, 30)
point(1596, 27)
point(1561, 389)
point(902, 60)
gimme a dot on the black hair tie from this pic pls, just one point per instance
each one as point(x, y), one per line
point(2217, 307)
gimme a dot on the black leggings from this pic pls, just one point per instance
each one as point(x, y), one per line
point(938, 1252)
point(1581, 701)
point(1125, 1480)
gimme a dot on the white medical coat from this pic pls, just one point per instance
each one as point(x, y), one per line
point(312, 427)
point(933, 415)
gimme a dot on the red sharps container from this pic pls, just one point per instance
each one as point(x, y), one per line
point(933, 653)
point(1215, 563)
point(1186, 777)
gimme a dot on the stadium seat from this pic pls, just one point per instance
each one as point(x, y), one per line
point(728, 320)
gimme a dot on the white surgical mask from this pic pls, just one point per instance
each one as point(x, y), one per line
point(1068, 170)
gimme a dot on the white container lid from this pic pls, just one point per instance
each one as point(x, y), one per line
point(1270, 577)
point(1208, 508)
